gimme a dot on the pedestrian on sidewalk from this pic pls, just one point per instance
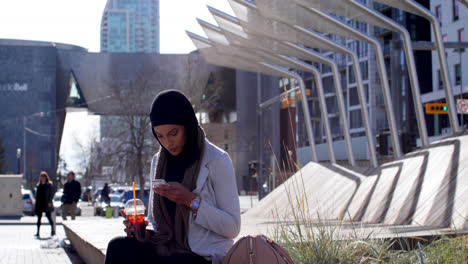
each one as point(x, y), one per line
point(194, 218)
point(105, 194)
point(71, 195)
point(45, 191)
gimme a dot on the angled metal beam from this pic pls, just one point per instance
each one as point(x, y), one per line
point(381, 20)
point(240, 7)
point(355, 10)
point(235, 34)
point(259, 55)
point(255, 24)
point(209, 52)
point(415, 8)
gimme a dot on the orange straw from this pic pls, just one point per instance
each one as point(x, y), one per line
point(134, 198)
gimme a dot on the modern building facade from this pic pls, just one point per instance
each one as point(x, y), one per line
point(399, 83)
point(41, 81)
point(130, 26)
point(453, 19)
point(32, 106)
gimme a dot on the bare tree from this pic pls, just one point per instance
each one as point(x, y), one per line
point(131, 147)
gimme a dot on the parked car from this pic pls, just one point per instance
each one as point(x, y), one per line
point(58, 204)
point(28, 202)
point(115, 202)
point(96, 195)
point(86, 195)
point(129, 195)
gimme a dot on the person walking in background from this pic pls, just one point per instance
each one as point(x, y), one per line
point(45, 191)
point(105, 194)
point(71, 195)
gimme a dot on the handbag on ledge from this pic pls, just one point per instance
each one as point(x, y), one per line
point(257, 250)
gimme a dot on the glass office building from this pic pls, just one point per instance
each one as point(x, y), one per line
point(130, 26)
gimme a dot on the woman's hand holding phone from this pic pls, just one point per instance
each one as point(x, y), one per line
point(175, 192)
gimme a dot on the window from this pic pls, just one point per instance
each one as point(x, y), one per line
point(457, 74)
point(403, 111)
point(332, 106)
point(362, 49)
point(439, 79)
point(364, 70)
point(438, 13)
point(355, 118)
point(455, 9)
point(353, 96)
point(351, 78)
point(445, 39)
point(328, 85)
point(461, 35)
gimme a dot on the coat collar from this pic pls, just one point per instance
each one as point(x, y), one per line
point(203, 173)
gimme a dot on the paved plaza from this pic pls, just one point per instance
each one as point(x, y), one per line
point(18, 245)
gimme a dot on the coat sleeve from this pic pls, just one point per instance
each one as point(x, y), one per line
point(223, 215)
point(77, 192)
point(51, 193)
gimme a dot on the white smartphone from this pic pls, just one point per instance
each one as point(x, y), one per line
point(158, 182)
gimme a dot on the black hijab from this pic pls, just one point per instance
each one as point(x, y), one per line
point(171, 107)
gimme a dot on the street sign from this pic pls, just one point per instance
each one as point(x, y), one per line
point(462, 106)
point(436, 108)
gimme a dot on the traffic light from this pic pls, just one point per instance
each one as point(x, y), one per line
point(299, 95)
point(286, 102)
point(436, 108)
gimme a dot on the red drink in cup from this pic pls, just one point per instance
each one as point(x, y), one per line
point(136, 217)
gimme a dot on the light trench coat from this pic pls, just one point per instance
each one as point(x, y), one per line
point(217, 223)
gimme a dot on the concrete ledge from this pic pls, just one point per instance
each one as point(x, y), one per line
point(88, 252)
point(89, 236)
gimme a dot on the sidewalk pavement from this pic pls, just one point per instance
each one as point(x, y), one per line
point(28, 220)
point(19, 246)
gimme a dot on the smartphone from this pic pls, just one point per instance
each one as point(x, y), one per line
point(158, 182)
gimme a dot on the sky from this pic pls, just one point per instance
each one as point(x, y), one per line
point(78, 22)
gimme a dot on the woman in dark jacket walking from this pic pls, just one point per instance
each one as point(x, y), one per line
point(44, 195)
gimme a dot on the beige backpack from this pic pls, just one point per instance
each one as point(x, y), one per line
point(257, 250)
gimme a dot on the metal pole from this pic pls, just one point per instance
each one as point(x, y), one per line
point(415, 89)
point(357, 35)
point(365, 113)
point(342, 109)
point(409, 61)
point(460, 50)
point(339, 91)
point(259, 140)
point(305, 107)
point(444, 69)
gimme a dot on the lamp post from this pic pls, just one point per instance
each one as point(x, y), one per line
point(18, 156)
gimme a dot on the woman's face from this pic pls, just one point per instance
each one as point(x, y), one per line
point(43, 179)
point(171, 137)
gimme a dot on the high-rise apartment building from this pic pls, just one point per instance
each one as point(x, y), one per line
point(399, 84)
point(453, 19)
point(130, 26)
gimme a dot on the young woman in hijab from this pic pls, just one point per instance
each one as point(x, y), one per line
point(194, 218)
point(44, 196)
